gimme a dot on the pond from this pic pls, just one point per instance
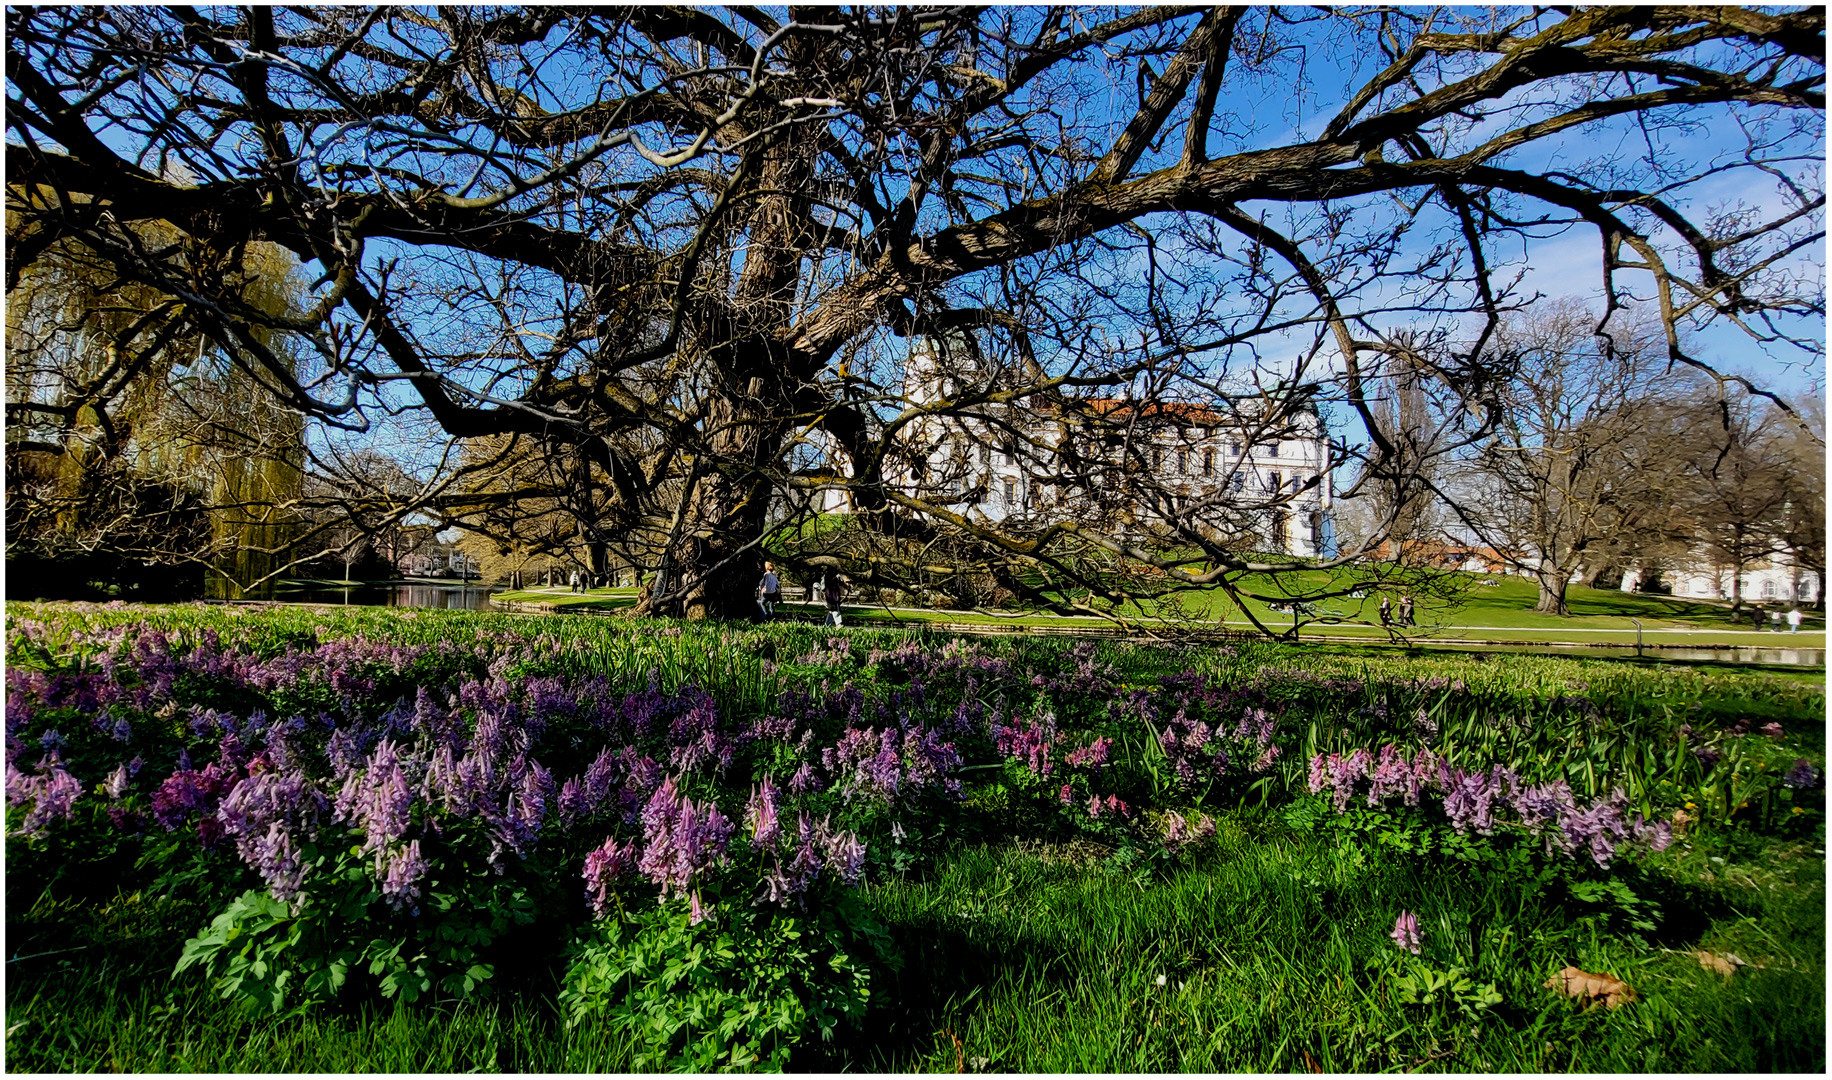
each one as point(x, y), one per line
point(1727, 654)
point(398, 594)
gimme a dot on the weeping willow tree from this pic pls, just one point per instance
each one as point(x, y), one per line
point(139, 453)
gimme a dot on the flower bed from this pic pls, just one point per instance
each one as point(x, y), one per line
point(391, 802)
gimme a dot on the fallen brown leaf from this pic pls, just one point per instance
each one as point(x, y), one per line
point(1606, 990)
point(1725, 965)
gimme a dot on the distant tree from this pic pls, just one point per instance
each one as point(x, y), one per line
point(130, 442)
point(1737, 488)
point(1800, 457)
point(1566, 464)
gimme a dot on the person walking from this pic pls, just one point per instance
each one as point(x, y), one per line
point(572, 581)
point(769, 592)
point(1405, 611)
point(1793, 619)
point(1386, 610)
point(832, 592)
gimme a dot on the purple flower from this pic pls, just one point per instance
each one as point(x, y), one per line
point(1470, 802)
point(1542, 805)
point(1029, 744)
point(1345, 773)
point(1406, 932)
point(1656, 836)
point(681, 839)
point(189, 791)
point(1598, 829)
point(804, 780)
point(760, 815)
point(847, 855)
point(603, 866)
point(377, 800)
point(264, 815)
point(1773, 731)
point(1319, 773)
point(1092, 756)
point(1803, 775)
point(1392, 775)
point(807, 862)
point(53, 793)
point(400, 880)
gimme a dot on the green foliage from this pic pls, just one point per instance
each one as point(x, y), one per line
point(1440, 993)
point(739, 991)
point(271, 954)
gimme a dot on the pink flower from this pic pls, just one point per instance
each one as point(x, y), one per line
point(1406, 932)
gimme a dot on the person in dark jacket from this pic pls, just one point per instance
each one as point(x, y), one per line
point(832, 592)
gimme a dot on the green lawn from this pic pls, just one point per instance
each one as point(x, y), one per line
point(1027, 940)
point(1503, 613)
point(1271, 954)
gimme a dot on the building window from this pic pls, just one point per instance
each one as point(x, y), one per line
point(1011, 493)
point(1157, 459)
point(1240, 480)
point(1183, 462)
point(1208, 463)
point(1234, 448)
point(1005, 455)
point(1274, 481)
point(1768, 590)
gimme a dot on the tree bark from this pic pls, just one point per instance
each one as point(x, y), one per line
point(1552, 582)
point(716, 562)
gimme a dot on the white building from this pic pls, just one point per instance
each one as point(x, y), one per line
point(1774, 580)
point(1235, 471)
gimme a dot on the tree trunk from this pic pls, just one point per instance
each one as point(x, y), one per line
point(1552, 581)
point(714, 567)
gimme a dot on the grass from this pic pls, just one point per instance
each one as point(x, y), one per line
point(1274, 958)
point(1503, 612)
point(1039, 956)
point(1273, 952)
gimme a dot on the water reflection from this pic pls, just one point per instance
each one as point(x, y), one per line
point(1729, 654)
point(466, 597)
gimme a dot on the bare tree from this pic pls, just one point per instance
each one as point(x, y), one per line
point(1737, 488)
point(685, 249)
point(1564, 469)
point(1801, 457)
